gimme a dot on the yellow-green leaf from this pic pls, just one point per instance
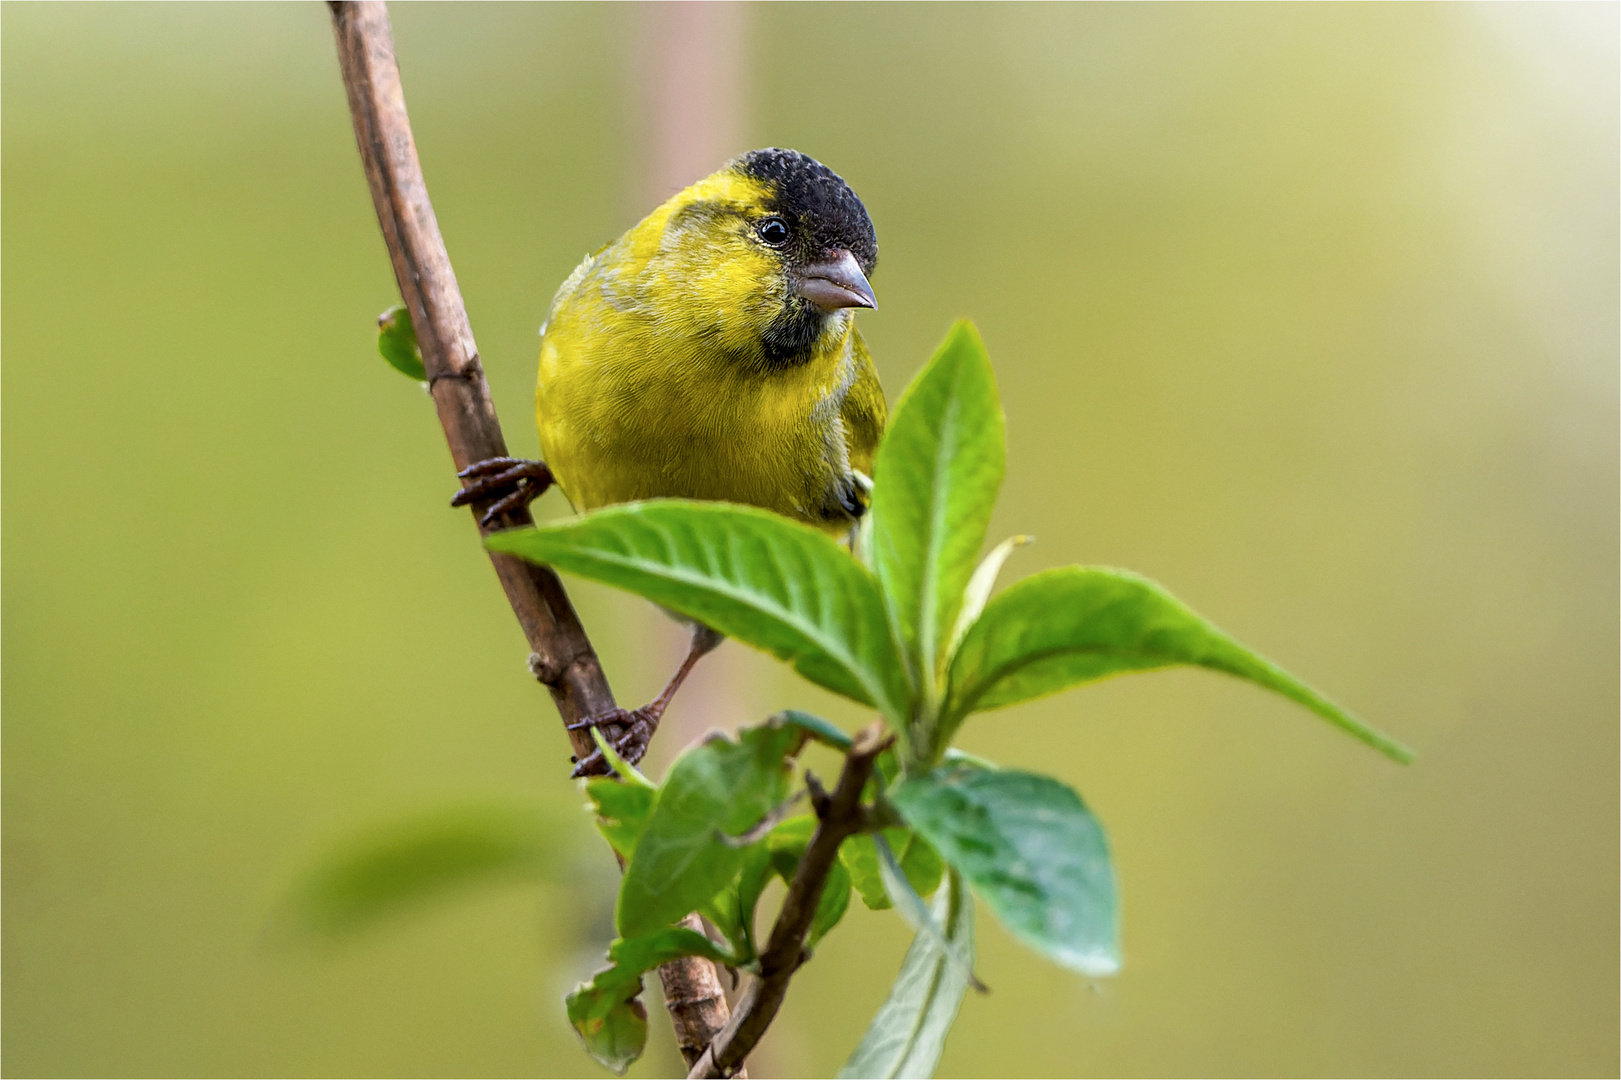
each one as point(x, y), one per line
point(755, 576)
point(1077, 624)
point(935, 480)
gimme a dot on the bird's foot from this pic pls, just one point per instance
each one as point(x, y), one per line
point(512, 482)
point(637, 727)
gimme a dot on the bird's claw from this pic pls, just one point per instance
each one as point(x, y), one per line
point(630, 745)
point(517, 481)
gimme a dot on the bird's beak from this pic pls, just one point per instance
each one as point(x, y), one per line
point(835, 283)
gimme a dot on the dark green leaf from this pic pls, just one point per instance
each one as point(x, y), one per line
point(1063, 627)
point(834, 902)
point(718, 787)
point(397, 342)
point(935, 480)
point(907, 1035)
point(1031, 850)
point(752, 575)
point(605, 1012)
point(414, 861)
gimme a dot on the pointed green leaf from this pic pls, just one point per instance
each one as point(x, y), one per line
point(403, 865)
point(752, 575)
point(1031, 850)
point(605, 1012)
point(979, 588)
point(397, 342)
point(718, 787)
point(909, 1032)
point(1075, 624)
point(935, 477)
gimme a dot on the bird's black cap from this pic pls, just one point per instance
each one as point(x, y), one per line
point(820, 206)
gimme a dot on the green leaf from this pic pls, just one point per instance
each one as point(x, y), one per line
point(920, 863)
point(935, 477)
point(755, 875)
point(646, 953)
point(406, 864)
point(397, 342)
point(718, 787)
point(605, 1012)
point(823, 731)
point(1075, 624)
point(860, 860)
point(787, 844)
point(1031, 850)
point(779, 856)
point(834, 902)
point(614, 1030)
point(769, 582)
point(909, 1032)
point(911, 907)
point(979, 588)
point(918, 860)
point(622, 811)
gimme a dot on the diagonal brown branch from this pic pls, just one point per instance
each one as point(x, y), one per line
point(565, 660)
point(839, 816)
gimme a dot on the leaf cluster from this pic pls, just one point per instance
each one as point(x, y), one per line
point(709, 839)
point(910, 629)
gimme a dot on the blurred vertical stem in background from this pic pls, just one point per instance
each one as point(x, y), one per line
point(567, 663)
point(687, 85)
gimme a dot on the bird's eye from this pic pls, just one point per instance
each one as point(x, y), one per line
point(774, 231)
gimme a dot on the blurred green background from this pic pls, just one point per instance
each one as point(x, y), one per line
point(1309, 312)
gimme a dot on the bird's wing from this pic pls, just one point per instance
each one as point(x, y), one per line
point(864, 411)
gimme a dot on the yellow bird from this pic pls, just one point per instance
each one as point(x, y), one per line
point(711, 352)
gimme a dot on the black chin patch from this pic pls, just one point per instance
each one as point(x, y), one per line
point(822, 211)
point(789, 337)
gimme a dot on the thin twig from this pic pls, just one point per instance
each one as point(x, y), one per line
point(839, 816)
point(563, 656)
